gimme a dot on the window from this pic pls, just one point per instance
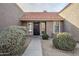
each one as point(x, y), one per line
point(43, 26)
point(56, 27)
point(30, 27)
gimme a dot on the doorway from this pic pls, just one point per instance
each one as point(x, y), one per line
point(36, 28)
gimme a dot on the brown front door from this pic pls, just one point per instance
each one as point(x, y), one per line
point(36, 28)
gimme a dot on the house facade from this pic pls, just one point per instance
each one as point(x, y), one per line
point(71, 22)
point(36, 22)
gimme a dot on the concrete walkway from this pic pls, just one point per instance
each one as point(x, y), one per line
point(34, 48)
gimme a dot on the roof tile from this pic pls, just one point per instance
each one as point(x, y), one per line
point(41, 16)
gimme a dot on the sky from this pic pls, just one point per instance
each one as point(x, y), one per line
point(40, 7)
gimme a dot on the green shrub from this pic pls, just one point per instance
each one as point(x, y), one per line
point(19, 27)
point(12, 40)
point(64, 41)
point(44, 36)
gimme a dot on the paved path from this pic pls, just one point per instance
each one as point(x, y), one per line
point(34, 48)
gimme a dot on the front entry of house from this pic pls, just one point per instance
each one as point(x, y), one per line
point(36, 28)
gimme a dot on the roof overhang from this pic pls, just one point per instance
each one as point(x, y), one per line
point(41, 16)
point(24, 20)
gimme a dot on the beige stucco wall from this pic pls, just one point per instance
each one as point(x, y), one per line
point(9, 14)
point(49, 27)
point(71, 22)
point(61, 26)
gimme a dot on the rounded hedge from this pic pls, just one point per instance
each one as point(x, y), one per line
point(12, 40)
point(64, 41)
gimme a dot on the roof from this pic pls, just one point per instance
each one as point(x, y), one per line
point(41, 16)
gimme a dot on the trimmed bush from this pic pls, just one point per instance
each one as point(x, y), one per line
point(44, 36)
point(12, 40)
point(64, 41)
point(19, 27)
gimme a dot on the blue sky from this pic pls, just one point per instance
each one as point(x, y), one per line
point(40, 7)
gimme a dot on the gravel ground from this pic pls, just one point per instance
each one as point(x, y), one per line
point(49, 50)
